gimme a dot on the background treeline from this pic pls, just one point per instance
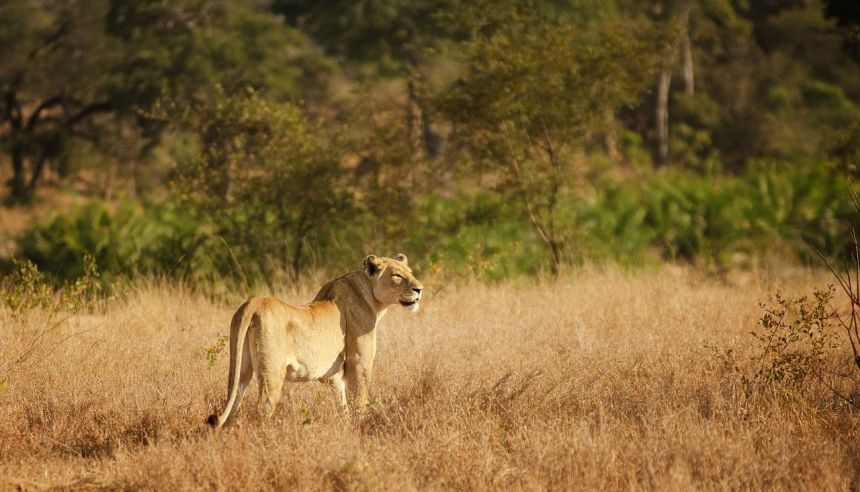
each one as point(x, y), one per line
point(252, 141)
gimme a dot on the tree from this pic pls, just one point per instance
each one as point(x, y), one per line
point(54, 71)
point(266, 175)
point(73, 72)
point(675, 16)
point(181, 48)
point(376, 138)
point(388, 38)
point(532, 90)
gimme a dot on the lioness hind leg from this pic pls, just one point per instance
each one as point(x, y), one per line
point(271, 382)
point(338, 382)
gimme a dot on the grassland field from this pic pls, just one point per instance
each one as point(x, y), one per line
point(603, 379)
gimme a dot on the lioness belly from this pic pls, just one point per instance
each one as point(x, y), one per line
point(317, 342)
point(313, 366)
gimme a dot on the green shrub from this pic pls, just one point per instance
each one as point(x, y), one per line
point(478, 235)
point(803, 205)
point(25, 288)
point(123, 240)
point(612, 224)
point(774, 208)
point(83, 293)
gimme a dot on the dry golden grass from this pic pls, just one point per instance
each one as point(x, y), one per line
point(599, 381)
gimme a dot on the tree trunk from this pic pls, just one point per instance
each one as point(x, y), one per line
point(413, 116)
point(432, 142)
point(555, 250)
point(661, 115)
point(110, 179)
point(610, 138)
point(422, 136)
point(36, 174)
point(687, 57)
point(18, 183)
point(413, 126)
point(664, 81)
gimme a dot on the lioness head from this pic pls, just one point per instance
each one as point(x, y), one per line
point(392, 281)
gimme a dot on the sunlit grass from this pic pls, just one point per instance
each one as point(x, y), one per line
point(601, 380)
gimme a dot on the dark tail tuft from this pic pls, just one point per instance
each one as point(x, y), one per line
point(212, 420)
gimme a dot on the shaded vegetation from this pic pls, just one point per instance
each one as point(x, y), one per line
point(766, 215)
point(247, 142)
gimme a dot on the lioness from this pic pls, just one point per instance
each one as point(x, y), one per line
point(331, 339)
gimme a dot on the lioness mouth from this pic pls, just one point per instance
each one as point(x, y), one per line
point(408, 303)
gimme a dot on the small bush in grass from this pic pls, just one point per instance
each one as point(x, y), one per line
point(796, 337)
point(213, 351)
point(25, 289)
point(82, 294)
point(797, 352)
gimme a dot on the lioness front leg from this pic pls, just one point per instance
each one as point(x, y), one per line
point(358, 366)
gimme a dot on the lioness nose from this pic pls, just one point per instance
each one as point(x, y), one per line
point(417, 290)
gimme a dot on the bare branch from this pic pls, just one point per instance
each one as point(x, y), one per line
point(46, 46)
point(515, 166)
point(83, 113)
point(836, 392)
point(37, 113)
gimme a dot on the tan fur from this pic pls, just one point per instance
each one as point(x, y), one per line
point(332, 339)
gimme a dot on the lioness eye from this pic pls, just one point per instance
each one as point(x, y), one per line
point(396, 275)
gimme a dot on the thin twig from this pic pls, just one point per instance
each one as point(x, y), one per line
point(238, 266)
point(836, 392)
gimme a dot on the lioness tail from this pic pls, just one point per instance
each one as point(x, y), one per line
point(237, 342)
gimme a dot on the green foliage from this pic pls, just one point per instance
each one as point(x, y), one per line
point(846, 150)
point(266, 177)
point(784, 208)
point(807, 205)
point(77, 74)
point(114, 240)
point(847, 15)
point(184, 47)
point(479, 235)
point(523, 106)
point(82, 294)
point(388, 168)
point(117, 239)
point(214, 351)
point(492, 138)
point(612, 224)
point(691, 143)
point(123, 240)
point(696, 218)
point(388, 35)
point(25, 289)
point(46, 99)
point(722, 222)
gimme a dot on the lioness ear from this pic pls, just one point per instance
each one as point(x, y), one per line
point(372, 265)
point(401, 257)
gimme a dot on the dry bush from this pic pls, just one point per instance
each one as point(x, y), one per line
point(600, 380)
